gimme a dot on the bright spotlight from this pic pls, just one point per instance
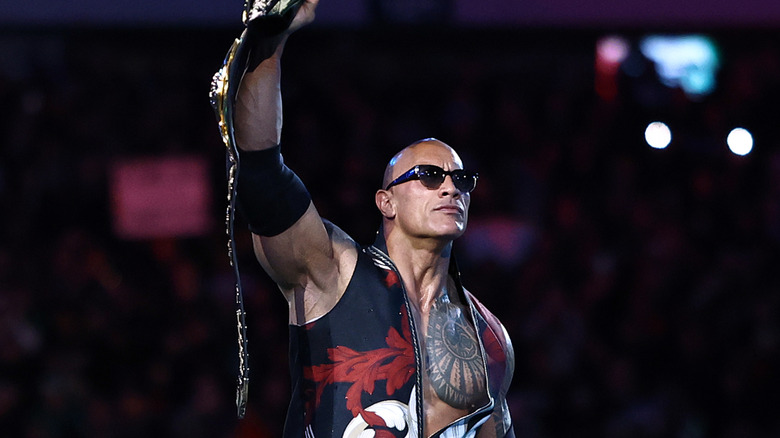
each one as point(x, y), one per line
point(612, 50)
point(740, 141)
point(658, 135)
point(687, 61)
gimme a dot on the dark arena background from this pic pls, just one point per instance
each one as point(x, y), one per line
point(626, 226)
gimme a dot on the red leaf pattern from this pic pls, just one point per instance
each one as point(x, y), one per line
point(381, 433)
point(394, 364)
point(493, 346)
point(391, 279)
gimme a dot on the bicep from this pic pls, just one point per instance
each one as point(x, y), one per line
point(306, 255)
point(290, 255)
point(496, 426)
point(488, 430)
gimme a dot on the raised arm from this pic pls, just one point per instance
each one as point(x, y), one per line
point(258, 116)
point(310, 262)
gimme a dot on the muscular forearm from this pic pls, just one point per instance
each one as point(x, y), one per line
point(258, 111)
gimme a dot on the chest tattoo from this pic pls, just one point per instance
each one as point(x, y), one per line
point(454, 363)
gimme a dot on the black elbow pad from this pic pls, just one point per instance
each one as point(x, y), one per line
point(269, 195)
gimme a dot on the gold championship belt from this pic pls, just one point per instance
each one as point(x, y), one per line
point(264, 21)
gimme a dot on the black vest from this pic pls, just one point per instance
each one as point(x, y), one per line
point(358, 367)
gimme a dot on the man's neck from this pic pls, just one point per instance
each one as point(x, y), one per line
point(424, 269)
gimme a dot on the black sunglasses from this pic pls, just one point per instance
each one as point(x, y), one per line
point(433, 176)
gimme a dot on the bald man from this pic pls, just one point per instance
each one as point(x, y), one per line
point(384, 338)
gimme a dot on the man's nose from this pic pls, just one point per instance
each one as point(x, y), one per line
point(448, 188)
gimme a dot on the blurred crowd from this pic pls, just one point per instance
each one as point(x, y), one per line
point(639, 285)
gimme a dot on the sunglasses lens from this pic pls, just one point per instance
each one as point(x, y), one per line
point(431, 176)
point(464, 181)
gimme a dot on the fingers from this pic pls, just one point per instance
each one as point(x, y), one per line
point(310, 5)
point(304, 16)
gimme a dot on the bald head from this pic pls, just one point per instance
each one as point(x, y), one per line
point(418, 211)
point(411, 155)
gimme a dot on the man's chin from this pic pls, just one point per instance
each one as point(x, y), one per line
point(452, 232)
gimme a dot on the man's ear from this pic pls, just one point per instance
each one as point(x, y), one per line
point(385, 204)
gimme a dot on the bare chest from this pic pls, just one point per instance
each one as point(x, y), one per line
point(454, 377)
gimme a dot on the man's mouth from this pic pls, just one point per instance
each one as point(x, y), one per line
point(452, 209)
